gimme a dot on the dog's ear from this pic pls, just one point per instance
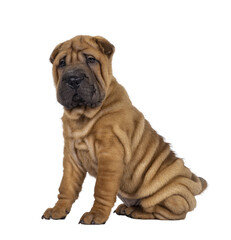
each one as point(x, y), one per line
point(55, 52)
point(105, 46)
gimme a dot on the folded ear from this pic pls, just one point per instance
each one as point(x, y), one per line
point(55, 52)
point(105, 46)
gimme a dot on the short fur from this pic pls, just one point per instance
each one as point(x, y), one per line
point(115, 143)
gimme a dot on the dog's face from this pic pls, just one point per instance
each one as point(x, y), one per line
point(82, 71)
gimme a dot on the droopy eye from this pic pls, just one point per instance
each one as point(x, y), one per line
point(90, 59)
point(62, 62)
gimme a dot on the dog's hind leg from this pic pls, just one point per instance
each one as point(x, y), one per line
point(174, 200)
point(133, 212)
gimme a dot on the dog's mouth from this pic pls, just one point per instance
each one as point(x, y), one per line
point(80, 97)
point(78, 101)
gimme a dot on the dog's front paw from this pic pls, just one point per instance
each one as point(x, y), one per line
point(59, 211)
point(93, 218)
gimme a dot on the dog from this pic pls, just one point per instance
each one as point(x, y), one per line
point(106, 136)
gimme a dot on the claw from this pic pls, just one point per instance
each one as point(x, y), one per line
point(43, 217)
point(81, 221)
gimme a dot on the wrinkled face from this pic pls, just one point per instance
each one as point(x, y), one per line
point(82, 71)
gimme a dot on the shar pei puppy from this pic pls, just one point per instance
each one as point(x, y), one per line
point(106, 136)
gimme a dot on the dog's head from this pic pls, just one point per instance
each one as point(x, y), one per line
point(82, 71)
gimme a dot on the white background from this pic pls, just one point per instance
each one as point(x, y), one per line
point(173, 57)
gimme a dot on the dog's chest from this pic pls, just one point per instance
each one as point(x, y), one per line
point(85, 154)
point(82, 145)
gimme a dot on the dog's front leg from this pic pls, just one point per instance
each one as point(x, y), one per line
point(109, 153)
point(71, 184)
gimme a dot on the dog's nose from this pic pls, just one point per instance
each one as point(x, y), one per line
point(73, 81)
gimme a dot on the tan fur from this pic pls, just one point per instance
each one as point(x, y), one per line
point(115, 144)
